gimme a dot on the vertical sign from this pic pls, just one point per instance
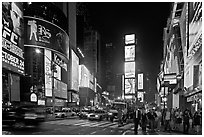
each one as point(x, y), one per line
point(48, 73)
point(140, 81)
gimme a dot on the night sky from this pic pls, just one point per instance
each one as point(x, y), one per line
point(115, 19)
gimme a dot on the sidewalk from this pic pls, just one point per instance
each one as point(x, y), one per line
point(190, 132)
point(180, 130)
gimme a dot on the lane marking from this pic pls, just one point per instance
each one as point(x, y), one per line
point(107, 125)
point(93, 132)
point(126, 132)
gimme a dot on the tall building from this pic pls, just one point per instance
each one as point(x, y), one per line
point(181, 72)
point(44, 71)
point(89, 43)
point(109, 75)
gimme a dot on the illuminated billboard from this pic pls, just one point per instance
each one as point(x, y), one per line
point(140, 81)
point(75, 72)
point(129, 69)
point(140, 96)
point(48, 73)
point(130, 53)
point(45, 34)
point(60, 89)
point(129, 86)
point(130, 39)
point(12, 32)
point(195, 28)
point(83, 76)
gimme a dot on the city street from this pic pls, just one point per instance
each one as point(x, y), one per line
point(80, 127)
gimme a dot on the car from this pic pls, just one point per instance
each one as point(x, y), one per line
point(98, 115)
point(69, 112)
point(60, 114)
point(112, 114)
point(23, 115)
point(83, 114)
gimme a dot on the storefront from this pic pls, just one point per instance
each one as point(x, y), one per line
point(194, 101)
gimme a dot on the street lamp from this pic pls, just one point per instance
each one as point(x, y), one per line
point(53, 70)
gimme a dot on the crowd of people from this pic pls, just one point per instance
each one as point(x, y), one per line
point(166, 120)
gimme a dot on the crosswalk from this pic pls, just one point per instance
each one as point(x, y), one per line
point(87, 123)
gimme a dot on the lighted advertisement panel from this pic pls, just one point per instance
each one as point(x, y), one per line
point(48, 73)
point(140, 81)
point(75, 97)
point(130, 53)
point(12, 32)
point(195, 27)
point(140, 95)
point(129, 86)
point(45, 34)
point(130, 39)
point(129, 69)
point(75, 72)
point(84, 76)
point(60, 89)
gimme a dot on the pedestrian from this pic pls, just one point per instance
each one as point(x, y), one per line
point(151, 117)
point(173, 119)
point(167, 120)
point(158, 119)
point(120, 117)
point(136, 117)
point(197, 121)
point(186, 123)
point(144, 120)
point(178, 115)
point(125, 115)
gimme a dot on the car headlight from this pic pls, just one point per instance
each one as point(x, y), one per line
point(96, 116)
point(110, 113)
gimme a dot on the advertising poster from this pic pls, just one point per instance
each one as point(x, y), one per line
point(130, 53)
point(12, 32)
point(46, 34)
point(75, 72)
point(129, 86)
point(129, 69)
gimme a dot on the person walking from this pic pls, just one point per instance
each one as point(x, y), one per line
point(186, 118)
point(158, 119)
point(136, 118)
point(197, 121)
point(178, 115)
point(120, 114)
point(167, 120)
point(144, 120)
point(151, 117)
